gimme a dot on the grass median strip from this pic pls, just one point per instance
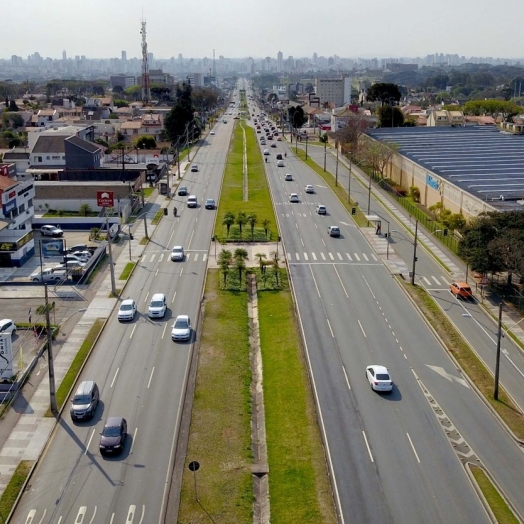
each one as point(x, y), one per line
point(220, 434)
point(13, 488)
point(298, 482)
point(127, 271)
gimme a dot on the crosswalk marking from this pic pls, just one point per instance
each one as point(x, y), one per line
point(153, 257)
point(374, 257)
point(365, 257)
point(196, 257)
point(298, 256)
point(289, 256)
point(356, 256)
point(205, 257)
point(434, 278)
point(305, 256)
point(323, 256)
point(349, 257)
point(427, 281)
point(340, 256)
point(314, 256)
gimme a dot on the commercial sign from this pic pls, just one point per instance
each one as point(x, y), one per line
point(6, 356)
point(52, 247)
point(105, 198)
point(432, 182)
point(13, 247)
point(4, 170)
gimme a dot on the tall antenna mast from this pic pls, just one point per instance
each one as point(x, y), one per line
point(146, 88)
point(214, 67)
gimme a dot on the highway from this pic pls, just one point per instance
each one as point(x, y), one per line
point(353, 309)
point(141, 374)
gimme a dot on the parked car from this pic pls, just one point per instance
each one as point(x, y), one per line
point(77, 247)
point(51, 231)
point(157, 306)
point(48, 275)
point(113, 436)
point(181, 329)
point(321, 209)
point(7, 326)
point(212, 133)
point(127, 309)
point(334, 231)
point(177, 253)
point(379, 378)
point(461, 289)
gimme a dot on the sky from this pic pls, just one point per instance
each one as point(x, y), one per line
point(256, 28)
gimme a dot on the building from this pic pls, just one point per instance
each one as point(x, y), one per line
point(123, 81)
point(335, 90)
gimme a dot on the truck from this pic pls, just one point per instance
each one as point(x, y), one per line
point(49, 275)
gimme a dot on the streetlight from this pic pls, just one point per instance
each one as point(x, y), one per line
point(325, 153)
point(307, 137)
point(369, 194)
point(414, 254)
point(497, 363)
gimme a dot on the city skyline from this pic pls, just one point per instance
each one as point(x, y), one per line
point(397, 30)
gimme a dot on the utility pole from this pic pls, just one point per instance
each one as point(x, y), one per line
point(349, 179)
point(111, 265)
point(325, 153)
point(497, 364)
point(52, 385)
point(336, 168)
point(414, 255)
point(145, 218)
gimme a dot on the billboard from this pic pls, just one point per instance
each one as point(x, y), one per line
point(52, 247)
point(6, 356)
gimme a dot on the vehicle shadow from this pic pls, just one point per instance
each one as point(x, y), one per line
point(394, 395)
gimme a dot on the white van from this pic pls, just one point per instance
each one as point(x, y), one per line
point(191, 201)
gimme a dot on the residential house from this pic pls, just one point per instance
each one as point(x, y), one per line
point(445, 118)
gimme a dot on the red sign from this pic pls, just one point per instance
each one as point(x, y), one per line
point(105, 198)
point(4, 170)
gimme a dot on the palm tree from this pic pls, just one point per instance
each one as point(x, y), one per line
point(276, 267)
point(240, 256)
point(84, 210)
point(265, 224)
point(241, 219)
point(260, 257)
point(224, 261)
point(252, 221)
point(228, 221)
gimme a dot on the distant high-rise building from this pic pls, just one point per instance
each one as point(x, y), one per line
point(315, 57)
point(336, 90)
point(124, 56)
point(64, 55)
point(280, 62)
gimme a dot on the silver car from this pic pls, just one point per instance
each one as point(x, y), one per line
point(181, 329)
point(177, 253)
point(127, 310)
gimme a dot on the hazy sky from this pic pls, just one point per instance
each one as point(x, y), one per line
point(259, 28)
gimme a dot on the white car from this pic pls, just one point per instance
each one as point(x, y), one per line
point(177, 253)
point(309, 189)
point(321, 210)
point(73, 260)
point(280, 163)
point(157, 306)
point(379, 378)
point(181, 329)
point(288, 177)
point(127, 309)
point(293, 197)
point(212, 133)
point(8, 326)
point(266, 152)
point(51, 231)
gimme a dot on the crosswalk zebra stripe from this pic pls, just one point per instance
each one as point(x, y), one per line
point(340, 256)
point(427, 281)
point(436, 280)
point(349, 257)
point(323, 256)
point(305, 256)
point(374, 257)
point(365, 257)
point(205, 257)
point(298, 256)
point(289, 256)
point(314, 256)
point(153, 257)
point(356, 256)
point(331, 256)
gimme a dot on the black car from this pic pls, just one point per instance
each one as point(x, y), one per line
point(113, 436)
point(279, 156)
point(182, 191)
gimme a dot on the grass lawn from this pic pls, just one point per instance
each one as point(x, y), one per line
point(220, 434)
point(232, 197)
point(298, 481)
point(127, 271)
point(13, 488)
point(158, 216)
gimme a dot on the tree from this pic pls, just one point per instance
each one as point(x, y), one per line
point(240, 256)
point(13, 107)
point(378, 155)
point(252, 221)
point(272, 98)
point(265, 225)
point(84, 210)
point(98, 90)
point(145, 142)
point(224, 261)
point(381, 92)
point(241, 219)
point(352, 132)
point(228, 221)
point(261, 257)
point(120, 103)
point(390, 116)
point(118, 89)
point(296, 117)
point(309, 88)
point(180, 121)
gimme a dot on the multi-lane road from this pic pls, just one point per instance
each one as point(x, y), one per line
point(142, 376)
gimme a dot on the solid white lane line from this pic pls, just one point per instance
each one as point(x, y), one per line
point(134, 440)
point(132, 331)
point(173, 299)
point(89, 441)
point(363, 332)
point(191, 238)
point(164, 330)
point(329, 326)
point(367, 445)
point(112, 518)
point(302, 242)
point(346, 375)
point(93, 517)
point(318, 291)
point(114, 378)
point(150, 378)
point(170, 237)
point(413, 448)
point(340, 280)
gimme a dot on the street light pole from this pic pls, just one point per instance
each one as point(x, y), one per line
point(369, 194)
point(497, 364)
point(336, 168)
point(325, 153)
point(52, 385)
point(349, 179)
point(414, 255)
point(111, 266)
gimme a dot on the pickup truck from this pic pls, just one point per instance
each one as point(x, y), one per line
point(49, 275)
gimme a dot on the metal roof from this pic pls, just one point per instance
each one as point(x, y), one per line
point(480, 160)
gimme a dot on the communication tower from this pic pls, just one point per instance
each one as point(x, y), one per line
point(146, 88)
